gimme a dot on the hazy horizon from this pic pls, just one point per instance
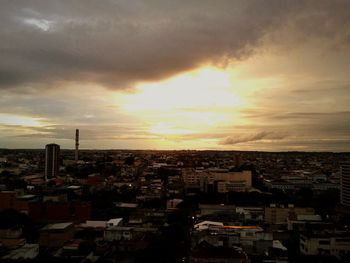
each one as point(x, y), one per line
point(177, 150)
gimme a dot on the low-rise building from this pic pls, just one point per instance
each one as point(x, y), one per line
point(301, 221)
point(209, 209)
point(217, 180)
point(25, 252)
point(206, 252)
point(335, 244)
point(55, 235)
point(117, 233)
point(278, 214)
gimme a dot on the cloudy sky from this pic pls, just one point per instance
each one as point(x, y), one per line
point(192, 74)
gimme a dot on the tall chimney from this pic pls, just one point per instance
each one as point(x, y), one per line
point(76, 145)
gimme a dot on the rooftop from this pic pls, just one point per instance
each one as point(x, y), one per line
point(28, 251)
point(57, 226)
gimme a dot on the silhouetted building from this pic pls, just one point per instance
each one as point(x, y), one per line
point(76, 145)
point(345, 183)
point(52, 154)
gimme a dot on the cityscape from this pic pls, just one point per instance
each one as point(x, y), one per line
point(173, 206)
point(161, 131)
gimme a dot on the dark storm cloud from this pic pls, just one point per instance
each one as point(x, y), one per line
point(118, 43)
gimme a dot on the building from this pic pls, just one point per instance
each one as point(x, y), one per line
point(301, 222)
point(211, 209)
point(76, 155)
point(172, 204)
point(345, 184)
point(251, 213)
point(76, 211)
point(55, 235)
point(10, 200)
point(7, 199)
point(117, 233)
point(11, 238)
point(52, 154)
point(205, 252)
point(335, 244)
point(217, 180)
point(218, 234)
point(280, 214)
point(26, 252)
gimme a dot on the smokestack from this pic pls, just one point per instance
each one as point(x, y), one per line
point(76, 145)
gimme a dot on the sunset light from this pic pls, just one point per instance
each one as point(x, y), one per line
point(139, 75)
point(10, 119)
point(191, 102)
point(198, 89)
point(175, 131)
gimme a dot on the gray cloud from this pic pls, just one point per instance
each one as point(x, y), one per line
point(88, 132)
point(47, 45)
point(299, 116)
point(118, 43)
point(252, 138)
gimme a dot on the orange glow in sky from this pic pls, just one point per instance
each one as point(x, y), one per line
point(193, 102)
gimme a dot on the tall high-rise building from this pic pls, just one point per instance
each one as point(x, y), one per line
point(52, 155)
point(76, 145)
point(345, 184)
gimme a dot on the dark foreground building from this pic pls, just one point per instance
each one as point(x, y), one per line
point(345, 184)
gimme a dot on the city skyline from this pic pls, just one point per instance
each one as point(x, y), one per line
point(226, 75)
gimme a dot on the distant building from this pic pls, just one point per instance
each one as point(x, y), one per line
point(52, 154)
point(345, 184)
point(335, 244)
point(217, 180)
point(117, 233)
point(76, 145)
point(172, 203)
point(76, 211)
point(210, 209)
point(280, 214)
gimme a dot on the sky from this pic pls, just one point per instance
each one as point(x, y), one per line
point(188, 74)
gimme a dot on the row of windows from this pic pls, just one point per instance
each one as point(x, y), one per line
point(345, 191)
point(345, 195)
